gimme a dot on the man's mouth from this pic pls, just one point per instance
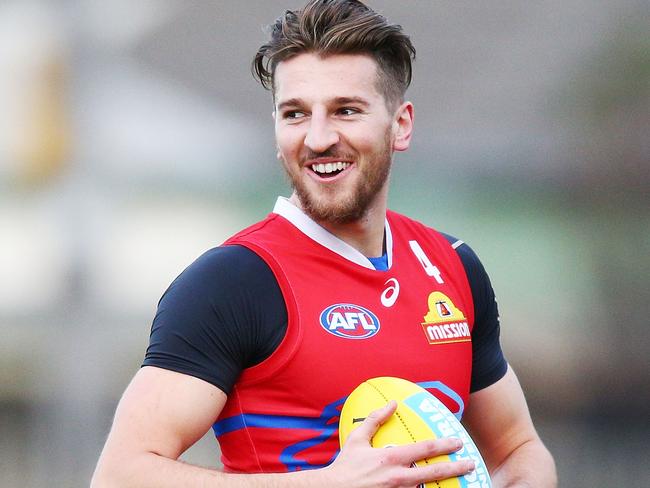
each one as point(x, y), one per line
point(328, 170)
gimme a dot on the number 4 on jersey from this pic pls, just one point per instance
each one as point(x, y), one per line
point(429, 268)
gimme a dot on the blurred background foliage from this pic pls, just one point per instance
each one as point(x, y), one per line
point(133, 138)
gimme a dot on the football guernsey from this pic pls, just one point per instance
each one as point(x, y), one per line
point(347, 322)
point(226, 314)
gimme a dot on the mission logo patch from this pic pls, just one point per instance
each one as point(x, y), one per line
point(444, 323)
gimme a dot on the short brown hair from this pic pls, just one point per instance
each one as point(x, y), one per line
point(327, 27)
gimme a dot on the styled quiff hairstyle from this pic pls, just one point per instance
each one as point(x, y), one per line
point(327, 27)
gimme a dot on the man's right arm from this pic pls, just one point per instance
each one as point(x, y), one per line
point(162, 413)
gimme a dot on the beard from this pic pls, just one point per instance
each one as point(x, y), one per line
point(329, 204)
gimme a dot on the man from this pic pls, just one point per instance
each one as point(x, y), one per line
point(263, 337)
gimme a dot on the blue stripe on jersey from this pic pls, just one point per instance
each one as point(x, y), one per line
point(325, 426)
point(246, 420)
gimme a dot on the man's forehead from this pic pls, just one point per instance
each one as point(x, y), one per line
point(309, 76)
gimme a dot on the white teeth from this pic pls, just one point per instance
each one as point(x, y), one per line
point(330, 167)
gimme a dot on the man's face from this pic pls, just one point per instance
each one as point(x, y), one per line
point(335, 134)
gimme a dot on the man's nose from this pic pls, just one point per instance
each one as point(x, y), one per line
point(321, 134)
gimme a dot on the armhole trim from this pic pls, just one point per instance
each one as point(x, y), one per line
point(293, 336)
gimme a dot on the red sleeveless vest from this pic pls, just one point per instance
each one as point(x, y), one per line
point(347, 322)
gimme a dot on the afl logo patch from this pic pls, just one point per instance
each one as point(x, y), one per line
point(349, 321)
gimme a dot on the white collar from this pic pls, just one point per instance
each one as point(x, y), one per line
point(311, 229)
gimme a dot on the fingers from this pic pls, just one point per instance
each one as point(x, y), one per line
point(407, 453)
point(437, 471)
point(373, 421)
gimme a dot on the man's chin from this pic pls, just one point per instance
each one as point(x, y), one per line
point(340, 207)
point(334, 213)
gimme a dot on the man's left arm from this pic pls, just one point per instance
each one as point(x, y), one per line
point(498, 420)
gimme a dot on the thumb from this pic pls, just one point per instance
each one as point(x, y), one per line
point(373, 421)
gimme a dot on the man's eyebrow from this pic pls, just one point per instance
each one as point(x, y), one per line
point(297, 102)
point(292, 102)
point(351, 101)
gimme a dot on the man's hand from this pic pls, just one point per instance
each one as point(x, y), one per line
point(361, 465)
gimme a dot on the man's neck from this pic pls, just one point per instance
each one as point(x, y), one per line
point(366, 234)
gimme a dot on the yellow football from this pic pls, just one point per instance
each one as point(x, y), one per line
point(419, 416)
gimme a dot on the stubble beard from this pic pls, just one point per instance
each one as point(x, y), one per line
point(355, 204)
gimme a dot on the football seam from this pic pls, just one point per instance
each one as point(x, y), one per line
point(403, 425)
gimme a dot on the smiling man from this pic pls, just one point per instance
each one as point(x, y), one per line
point(336, 137)
point(263, 337)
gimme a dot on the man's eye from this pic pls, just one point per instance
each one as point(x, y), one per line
point(294, 114)
point(348, 111)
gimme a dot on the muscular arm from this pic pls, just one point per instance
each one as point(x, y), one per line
point(159, 416)
point(162, 413)
point(498, 420)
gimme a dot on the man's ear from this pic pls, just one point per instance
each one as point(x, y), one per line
point(403, 127)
